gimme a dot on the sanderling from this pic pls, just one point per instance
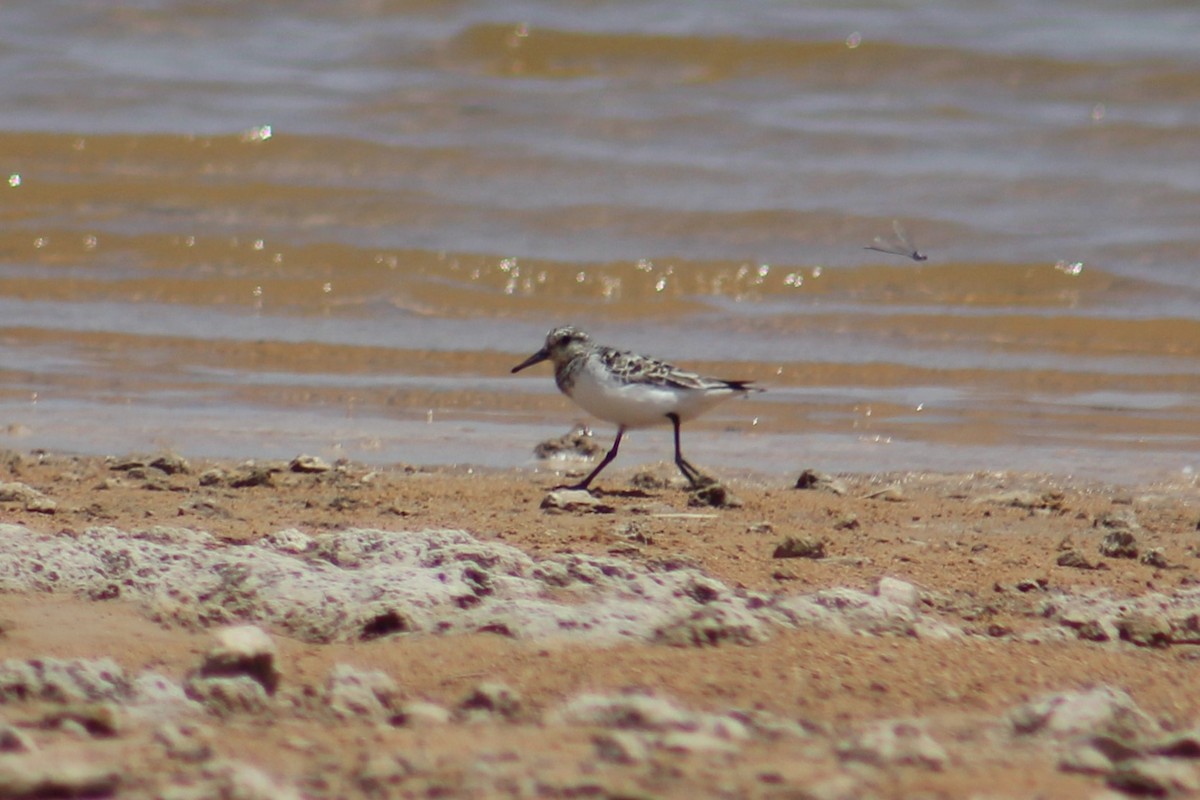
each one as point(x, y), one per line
point(901, 246)
point(631, 390)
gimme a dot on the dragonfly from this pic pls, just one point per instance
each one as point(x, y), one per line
point(900, 246)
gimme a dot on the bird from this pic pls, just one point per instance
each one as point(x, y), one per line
point(630, 390)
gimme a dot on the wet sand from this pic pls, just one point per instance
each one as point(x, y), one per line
point(926, 691)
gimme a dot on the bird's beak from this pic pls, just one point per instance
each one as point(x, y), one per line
point(536, 358)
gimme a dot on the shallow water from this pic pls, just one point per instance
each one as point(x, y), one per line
point(255, 229)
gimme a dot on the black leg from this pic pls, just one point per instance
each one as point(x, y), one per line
point(608, 457)
point(691, 473)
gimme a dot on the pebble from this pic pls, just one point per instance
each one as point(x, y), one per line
point(309, 464)
point(695, 742)
point(713, 494)
point(574, 501)
point(1102, 710)
point(93, 719)
point(351, 693)
point(891, 743)
point(709, 627)
point(14, 740)
point(848, 522)
point(252, 476)
point(1155, 777)
point(1075, 560)
point(576, 443)
point(243, 650)
point(1155, 558)
point(204, 507)
point(1181, 744)
point(491, 699)
point(16, 492)
point(892, 494)
point(1121, 519)
point(172, 464)
point(419, 713)
point(620, 747)
point(62, 680)
point(899, 592)
point(812, 479)
point(1119, 544)
point(799, 547)
point(226, 696)
point(48, 774)
point(1145, 629)
point(185, 741)
point(288, 540)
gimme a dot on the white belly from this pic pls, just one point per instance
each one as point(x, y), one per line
point(638, 405)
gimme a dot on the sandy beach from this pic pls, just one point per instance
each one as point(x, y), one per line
point(442, 632)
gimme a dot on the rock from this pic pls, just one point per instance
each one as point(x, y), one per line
point(232, 780)
point(1155, 777)
point(383, 774)
point(62, 681)
point(49, 774)
point(157, 698)
point(41, 505)
point(185, 741)
point(649, 481)
point(620, 747)
point(1074, 560)
point(309, 464)
point(252, 476)
point(489, 700)
point(1094, 631)
point(1119, 544)
point(1155, 558)
point(352, 693)
point(417, 714)
point(713, 494)
point(1181, 744)
point(1099, 711)
point(892, 494)
point(244, 650)
point(643, 712)
point(711, 626)
point(100, 720)
point(212, 477)
point(799, 547)
point(1082, 757)
point(898, 592)
point(204, 507)
point(15, 492)
point(812, 479)
point(576, 443)
point(695, 742)
point(890, 743)
point(288, 540)
point(1121, 519)
point(847, 522)
point(227, 696)
point(15, 740)
point(1145, 630)
point(1017, 498)
point(129, 464)
point(172, 464)
point(574, 501)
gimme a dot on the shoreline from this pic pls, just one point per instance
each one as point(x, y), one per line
point(909, 657)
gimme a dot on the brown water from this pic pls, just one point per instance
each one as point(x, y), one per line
point(263, 228)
